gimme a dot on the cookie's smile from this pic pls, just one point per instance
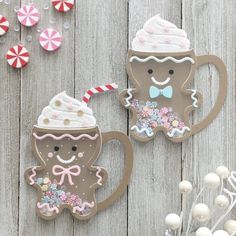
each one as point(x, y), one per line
point(160, 83)
point(65, 161)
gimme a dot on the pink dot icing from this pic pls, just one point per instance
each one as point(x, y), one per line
point(70, 107)
point(80, 154)
point(50, 154)
point(150, 30)
point(166, 30)
point(54, 115)
point(141, 39)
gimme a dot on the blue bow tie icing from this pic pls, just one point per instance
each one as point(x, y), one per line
point(155, 92)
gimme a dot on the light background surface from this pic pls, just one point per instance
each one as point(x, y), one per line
point(94, 53)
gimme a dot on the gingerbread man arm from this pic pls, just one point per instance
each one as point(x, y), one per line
point(126, 96)
point(100, 176)
point(196, 98)
point(31, 173)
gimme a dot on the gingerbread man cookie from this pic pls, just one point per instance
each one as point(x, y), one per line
point(161, 66)
point(67, 142)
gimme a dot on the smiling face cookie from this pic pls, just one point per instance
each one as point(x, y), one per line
point(67, 142)
point(161, 67)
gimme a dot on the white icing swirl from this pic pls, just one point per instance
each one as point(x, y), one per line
point(64, 111)
point(159, 35)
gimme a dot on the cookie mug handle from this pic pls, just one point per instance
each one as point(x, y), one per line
point(220, 66)
point(128, 165)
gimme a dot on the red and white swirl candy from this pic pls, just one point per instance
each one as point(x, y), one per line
point(17, 56)
point(4, 25)
point(50, 39)
point(63, 5)
point(28, 15)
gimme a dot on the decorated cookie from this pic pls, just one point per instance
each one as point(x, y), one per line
point(205, 218)
point(63, 5)
point(161, 66)
point(4, 25)
point(17, 56)
point(67, 143)
point(28, 15)
point(50, 39)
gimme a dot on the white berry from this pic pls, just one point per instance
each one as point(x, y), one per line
point(223, 172)
point(230, 226)
point(185, 187)
point(221, 202)
point(212, 180)
point(203, 231)
point(201, 212)
point(173, 221)
point(220, 233)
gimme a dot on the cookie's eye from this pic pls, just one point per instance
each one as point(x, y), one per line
point(56, 148)
point(74, 148)
point(150, 71)
point(171, 72)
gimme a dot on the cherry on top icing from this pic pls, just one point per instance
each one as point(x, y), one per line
point(65, 112)
point(159, 35)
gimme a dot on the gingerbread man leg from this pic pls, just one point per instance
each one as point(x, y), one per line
point(47, 211)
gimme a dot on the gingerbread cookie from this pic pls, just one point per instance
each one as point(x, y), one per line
point(67, 142)
point(161, 66)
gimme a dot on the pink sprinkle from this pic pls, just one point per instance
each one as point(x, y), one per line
point(153, 124)
point(181, 125)
point(70, 107)
point(164, 110)
point(164, 119)
point(166, 30)
point(50, 154)
point(54, 116)
point(166, 125)
point(150, 30)
point(141, 39)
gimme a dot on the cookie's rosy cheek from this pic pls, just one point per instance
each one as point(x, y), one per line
point(50, 155)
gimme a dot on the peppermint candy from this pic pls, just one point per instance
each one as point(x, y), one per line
point(50, 39)
point(63, 5)
point(4, 25)
point(17, 56)
point(28, 15)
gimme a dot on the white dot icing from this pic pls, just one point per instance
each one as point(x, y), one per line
point(159, 35)
point(66, 109)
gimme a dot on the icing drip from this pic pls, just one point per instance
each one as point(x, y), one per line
point(46, 205)
point(83, 206)
point(161, 60)
point(75, 138)
point(99, 176)
point(142, 130)
point(159, 35)
point(194, 98)
point(128, 98)
point(33, 175)
point(177, 131)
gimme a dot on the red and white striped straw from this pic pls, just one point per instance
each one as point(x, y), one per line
point(99, 89)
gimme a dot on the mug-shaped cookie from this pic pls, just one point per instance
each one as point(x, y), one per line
point(67, 146)
point(161, 66)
